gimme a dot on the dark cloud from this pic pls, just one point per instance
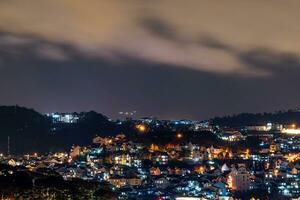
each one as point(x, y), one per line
point(175, 33)
point(278, 63)
point(79, 82)
point(160, 28)
point(211, 42)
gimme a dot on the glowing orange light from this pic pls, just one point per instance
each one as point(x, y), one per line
point(141, 128)
point(293, 125)
point(229, 182)
point(247, 154)
point(200, 169)
point(292, 157)
point(154, 147)
point(179, 135)
point(276, 172)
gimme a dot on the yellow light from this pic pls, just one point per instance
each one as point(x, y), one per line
point(154, 147)
point(292, 157)
point(141, 128)
point(247, 154)
point(229, 182)
point(179, 135)
point(276, 172)
point(200, 169)
point(293, 125)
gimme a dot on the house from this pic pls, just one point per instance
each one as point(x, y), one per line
point(162, 182)
point(121, 181)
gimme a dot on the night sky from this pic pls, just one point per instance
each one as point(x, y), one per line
point(166, 58)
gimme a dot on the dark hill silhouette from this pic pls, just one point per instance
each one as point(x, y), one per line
point(243, 119)
point(30, 131)
point(26, 128)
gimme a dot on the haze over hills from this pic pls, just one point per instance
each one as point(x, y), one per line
point(30, 131)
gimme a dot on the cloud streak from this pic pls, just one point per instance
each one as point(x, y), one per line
point(160, 31)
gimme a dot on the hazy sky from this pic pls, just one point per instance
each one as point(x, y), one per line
point(166, 58)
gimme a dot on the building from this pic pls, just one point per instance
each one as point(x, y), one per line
point(119, 181)
point(239, 179)
point(75, 151)
point(162, 182)
point(68, 118)
point(231, 135)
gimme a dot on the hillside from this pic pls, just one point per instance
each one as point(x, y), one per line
point(243, 119)
point(30, 131)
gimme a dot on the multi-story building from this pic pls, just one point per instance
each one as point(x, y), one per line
point(239, 179)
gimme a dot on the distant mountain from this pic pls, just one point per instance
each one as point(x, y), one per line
point(243, 119)
point(30, 131)
point(26, 128)
point(89, 124)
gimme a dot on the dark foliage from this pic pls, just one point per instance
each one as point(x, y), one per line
point(243, 119)
point(30, 131)
point(24, 184)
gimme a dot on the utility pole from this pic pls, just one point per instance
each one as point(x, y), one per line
point(8, 145)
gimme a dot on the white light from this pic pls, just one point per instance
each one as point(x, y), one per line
point(291, 131)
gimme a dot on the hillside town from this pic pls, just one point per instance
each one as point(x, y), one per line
point(182, 169)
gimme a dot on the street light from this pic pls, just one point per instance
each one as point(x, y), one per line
point(179, 135)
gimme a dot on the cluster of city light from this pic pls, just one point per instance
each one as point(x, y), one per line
point(291, 131)
point(229, 182)
point(173, 151)
point(292, 157)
